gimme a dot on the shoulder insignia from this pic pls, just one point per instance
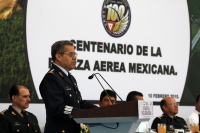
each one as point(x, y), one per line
point(51, 71)
point(61, 74)
point(159, 116)
point(2, 112)
point(29, 113)
point(13, 113)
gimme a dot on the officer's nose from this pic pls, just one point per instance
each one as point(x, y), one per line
point(110, 103)
point(29, 99)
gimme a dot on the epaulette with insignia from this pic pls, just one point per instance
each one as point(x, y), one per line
point(160, 116)
point(29, 113)
point(2, 112)
point(51, 71)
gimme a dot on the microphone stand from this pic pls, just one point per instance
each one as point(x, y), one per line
point(94, 74)
point(90, 77)
point(104, 89)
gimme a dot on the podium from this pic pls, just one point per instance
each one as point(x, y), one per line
point(118, 118)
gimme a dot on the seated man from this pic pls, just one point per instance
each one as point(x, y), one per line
point(134, 96)
point(169, 106)
point(106, 100)
point(15, 118)
point(194, 117)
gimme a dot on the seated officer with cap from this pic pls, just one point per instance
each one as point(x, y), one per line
point(169, 106)
point(15, 118)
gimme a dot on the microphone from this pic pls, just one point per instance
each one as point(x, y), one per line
point(94, 74)
point(91, 77)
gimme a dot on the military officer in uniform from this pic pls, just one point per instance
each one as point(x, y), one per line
point(60, 92)
point(15, 119)
point(169, 106)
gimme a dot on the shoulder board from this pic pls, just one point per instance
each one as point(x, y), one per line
point(160, 116)
point(29, 113)
point(51, 71)
point(2, 112)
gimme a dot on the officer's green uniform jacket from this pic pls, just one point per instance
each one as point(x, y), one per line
point(12, 122)
point(177, 122)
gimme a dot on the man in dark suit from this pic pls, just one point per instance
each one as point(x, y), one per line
point(15, 118)
point(169, 106)
point(60, 92)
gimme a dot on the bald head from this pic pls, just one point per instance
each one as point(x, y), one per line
point(169, 106)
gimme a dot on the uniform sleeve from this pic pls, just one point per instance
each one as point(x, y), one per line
point(87, 105)
point(84, 104)
point(192, 119)
point(183, 123)
point(52, 94)
point(155, 123)
point(4, 127)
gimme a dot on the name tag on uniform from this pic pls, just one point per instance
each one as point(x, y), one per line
point(68, 89)
point(16, 124)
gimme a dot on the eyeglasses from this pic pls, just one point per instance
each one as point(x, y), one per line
point(71, 54)
point(173, 104)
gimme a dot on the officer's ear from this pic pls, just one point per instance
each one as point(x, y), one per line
point(164, 107)
point(99, 103)
point(58, 56)
point(14, 97)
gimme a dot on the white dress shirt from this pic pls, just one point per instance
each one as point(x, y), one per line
point(193, 118)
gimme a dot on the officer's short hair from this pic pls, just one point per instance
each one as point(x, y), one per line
point(14, 90)
point(132, 95)
point(110, 93)
point(59, 47)
point(197, 98)
point(162, 102)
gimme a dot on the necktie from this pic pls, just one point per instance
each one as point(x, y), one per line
point(70, 77)
point(24, 115)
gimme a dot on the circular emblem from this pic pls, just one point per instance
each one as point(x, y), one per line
point(116, 17)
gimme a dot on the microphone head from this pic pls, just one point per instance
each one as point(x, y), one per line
point(91, 77)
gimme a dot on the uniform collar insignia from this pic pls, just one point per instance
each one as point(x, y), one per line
point(61, 74)
point(160, 116)
point(13, 113)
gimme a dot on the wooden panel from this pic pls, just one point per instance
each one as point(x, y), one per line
point(124, 109)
